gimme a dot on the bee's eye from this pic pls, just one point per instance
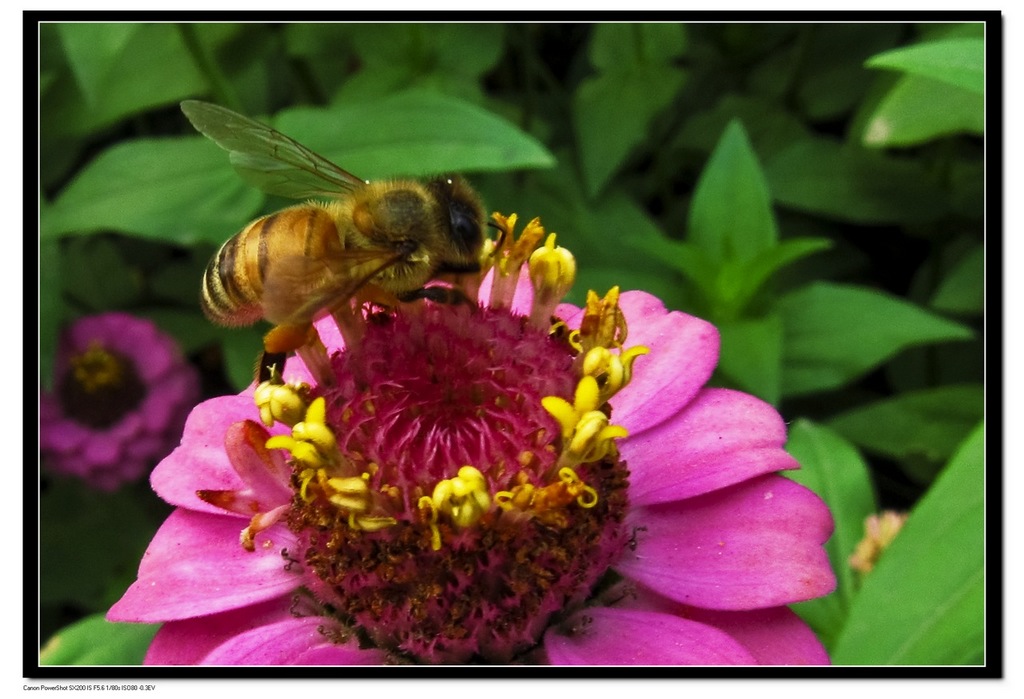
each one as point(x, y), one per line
point(465, 226)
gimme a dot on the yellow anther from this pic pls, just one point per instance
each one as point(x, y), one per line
point(586, 497)
point(311, 442)
point(280, 402)
point(427, 505)
point(552, 273)
point(563, 411)
point(508, 256)
point(350, 493)
point(372, 523)
point(464, 499)
point(612, 371)
point(603, 324)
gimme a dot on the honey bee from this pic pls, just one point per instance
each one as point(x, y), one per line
point(294, 266)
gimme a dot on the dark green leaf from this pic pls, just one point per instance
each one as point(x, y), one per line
point(751, 355)
point(99, 536)
point(769, 125)
point(51, 305)
point(832, 468)
point(180, 190)
point(957, 62)
point(612, 113)
point(191, 328)
point(731, 216)
point(413, 133)
point(919, 109)
point(835, 333)
point(242, 349)
point(963, 289)
point(924, 602)
point(926, 424)
point(96, 641)
point(97, 276)
point(847, 183)
point(621, 47)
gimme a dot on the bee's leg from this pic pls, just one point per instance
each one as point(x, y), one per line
point(270, 366)
point(305, 341)
point(438, 294)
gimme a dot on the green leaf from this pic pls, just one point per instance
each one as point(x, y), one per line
point(924, 602)
point(739, 281)
point(151, 68)
point(636, 79)
point(769, 125)
point(963, 289)
point(848, 183)
point(918, 109)
point(926, 424)
point(413, 133)
point(751, 355)
point(92, 50)
point(621, 46)
point(96, 641)
point(833, 468)
point(957, 62)
point(731, 215)
point(180, 190)
point(612, 113)
point(51, 307)
point(97, 276)
point(242, 349)
point(835, 333)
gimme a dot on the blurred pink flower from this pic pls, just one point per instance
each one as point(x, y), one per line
point(663, 536)
point(121, 394)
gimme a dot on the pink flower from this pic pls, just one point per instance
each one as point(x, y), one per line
point(121, 393)
point(488, 485)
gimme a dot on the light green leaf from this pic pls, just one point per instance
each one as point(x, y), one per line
point(751, 355)
point(180, 190)
point(924, 602)
point(833, 468)
point(926, 424)
point(92, 49)
point(731, 216)
point(848, 183)
point(835, 333)
point(918, 109)
point(96, 641)
point(413, 133)
point(151, 68)
point(957, 62)
point(738, 282)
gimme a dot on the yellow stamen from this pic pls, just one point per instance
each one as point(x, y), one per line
point(552, 273)
point(603, 323)
point(612, 371)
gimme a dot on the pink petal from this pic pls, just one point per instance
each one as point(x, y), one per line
point(188, 641)
point(723, 437)
point(195, 566)
point(683, 354)
point(774, 636)
point(606, 636)
point(292, 641)
point(752, 545)
point(522, 297)
point(201, 462)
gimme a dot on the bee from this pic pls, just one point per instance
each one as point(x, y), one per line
point(389, 238)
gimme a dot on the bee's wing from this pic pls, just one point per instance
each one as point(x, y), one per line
point(298, 289)
point(267, 158)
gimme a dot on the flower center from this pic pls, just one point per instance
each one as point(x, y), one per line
point(457, 487)
point(100, 387)
point(445, 526)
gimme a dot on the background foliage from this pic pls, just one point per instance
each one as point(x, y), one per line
point(815, 190)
